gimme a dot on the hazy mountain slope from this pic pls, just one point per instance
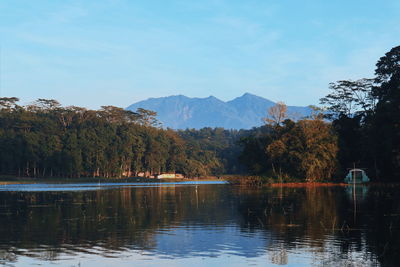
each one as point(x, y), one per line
point(251, 108)
point(180, 112)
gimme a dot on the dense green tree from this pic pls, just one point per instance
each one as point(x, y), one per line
point(45, 139)
point(217, 149)
point(385, 129)
point(305, 150)
point(349, 98)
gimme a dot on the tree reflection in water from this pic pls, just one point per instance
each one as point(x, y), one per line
point(207, 221)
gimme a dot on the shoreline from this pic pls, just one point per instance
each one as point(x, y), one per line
point(4, 180)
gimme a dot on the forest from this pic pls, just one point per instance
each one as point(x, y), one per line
point(358, 123)
point(44, 139)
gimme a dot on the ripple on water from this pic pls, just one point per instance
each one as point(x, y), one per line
point(140, 224)
point(44, 187)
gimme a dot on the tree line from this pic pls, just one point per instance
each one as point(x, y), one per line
point(285, 150)
point(44, 139)
point(359, 124)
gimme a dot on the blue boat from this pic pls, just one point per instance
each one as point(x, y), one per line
point(356, 176)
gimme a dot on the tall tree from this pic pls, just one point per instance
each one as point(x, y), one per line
point(386, 122)
point(276, 114)
point(349, 98)
point(8, 103)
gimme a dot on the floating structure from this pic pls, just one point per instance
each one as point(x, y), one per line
point(170, 176)
point(148, 174)
point(356, 176)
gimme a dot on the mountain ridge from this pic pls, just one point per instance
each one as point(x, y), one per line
point(243, 112)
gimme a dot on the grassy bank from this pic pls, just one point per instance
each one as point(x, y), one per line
point(274, 182)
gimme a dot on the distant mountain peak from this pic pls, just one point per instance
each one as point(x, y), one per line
point(181, 112)
point(250, 98)
point(253, 96)
point(247, 94)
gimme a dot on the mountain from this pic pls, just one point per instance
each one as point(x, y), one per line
point(181, 112)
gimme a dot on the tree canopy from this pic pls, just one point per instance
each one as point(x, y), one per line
point(45, 139)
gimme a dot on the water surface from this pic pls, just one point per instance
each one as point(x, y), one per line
point(197, 224)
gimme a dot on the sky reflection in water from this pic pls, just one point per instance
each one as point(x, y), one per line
point(196, 225)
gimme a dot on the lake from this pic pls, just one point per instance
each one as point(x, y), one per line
point(198, 224)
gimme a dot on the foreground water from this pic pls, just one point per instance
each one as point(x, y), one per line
point(195, 224)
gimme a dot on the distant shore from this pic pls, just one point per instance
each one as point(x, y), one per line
point(251, 181)
point(260, 181)
point(27, 180)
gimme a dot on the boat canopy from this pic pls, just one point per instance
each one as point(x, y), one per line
point(356, 176)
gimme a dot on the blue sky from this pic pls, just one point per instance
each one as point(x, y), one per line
point(117, 52)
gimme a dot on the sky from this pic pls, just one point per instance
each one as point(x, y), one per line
point(92, 53)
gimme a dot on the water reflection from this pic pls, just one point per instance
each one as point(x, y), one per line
point(201, 225)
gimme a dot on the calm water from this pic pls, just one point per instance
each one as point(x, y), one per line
point(198, 225)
